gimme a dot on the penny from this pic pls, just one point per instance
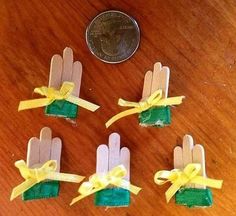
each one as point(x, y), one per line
point(113, 36)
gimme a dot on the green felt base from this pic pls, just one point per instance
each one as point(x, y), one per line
point(62, 108)
point(193, 197)
point(156, 116)
point(42, 190)
point(112, 197)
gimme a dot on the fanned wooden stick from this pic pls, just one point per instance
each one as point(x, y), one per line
point(64, 69)
point(44, 149)
point(158, 79)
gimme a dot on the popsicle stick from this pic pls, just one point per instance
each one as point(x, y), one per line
point(147, 85)
point(155, 77)
point(33, 152)
point(187, 149)
point(114, 150)
point(163, 78)
point(187, 152)
point(76, 77)
point(178, 158)
point(160, 79)
point(102, 159)
point(45, 144)
point(56, 151)
point(125, 160)
point(55, 72)
point(199, 157)
point(67, 64)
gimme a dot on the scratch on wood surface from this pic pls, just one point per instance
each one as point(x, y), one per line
point(215, 83)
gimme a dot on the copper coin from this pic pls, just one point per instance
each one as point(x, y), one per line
point(113, 36)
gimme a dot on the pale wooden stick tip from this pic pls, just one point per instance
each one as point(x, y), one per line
point(102, 147)
point(68, 49)
point(114, 135)
point(158, 65)
point(125, 149)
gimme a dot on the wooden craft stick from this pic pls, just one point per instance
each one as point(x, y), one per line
point(125, 160)
point(187, 149)
point(155, 77)
point(178, 158)
point(55, 72)
point(160, 79)
point(114, 150)
point(199, 157)
point(67, 64)
point(164, 77)
point(45, 144)
point(76, 77)
point(33, 152)
point(187, 152)
point(56, 151)
point(102, 159)
point(147, 84)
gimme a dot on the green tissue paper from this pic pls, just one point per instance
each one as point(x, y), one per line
point(42, 190)
point(156, 116)
point(112, 197)
point(62, 108)
point(194, 197)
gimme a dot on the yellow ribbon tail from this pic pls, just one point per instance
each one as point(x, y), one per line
point(171, 101)
point(21, 188)
point(214, 183)
point(172, 191)
point(34, 103)
point(121, 115)
point(77, 199)
point(134, 189)
point(83, 103)
point(82, 196)
point(65, 177)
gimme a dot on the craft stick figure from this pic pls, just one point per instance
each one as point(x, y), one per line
point(61, 97)
point(153, 81)
point(40, 151)
point(154, 107)
point(193, 195)
point(109, 157)
point(188, 178)
point(64, 69)
point(111, 182)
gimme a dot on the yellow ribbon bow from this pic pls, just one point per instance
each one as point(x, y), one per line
point(34, 176)
point(52, 94)
point(97, 182)
point(178, 178)
point(154, 100)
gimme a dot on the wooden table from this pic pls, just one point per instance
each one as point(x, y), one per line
point(196, 39)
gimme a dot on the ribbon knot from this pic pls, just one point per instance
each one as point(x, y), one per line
point(178, 178)
point(99, 182)
point(51, 94)
point(154, 100)
point(144, 105)
point(38, 174)
point(46, 172)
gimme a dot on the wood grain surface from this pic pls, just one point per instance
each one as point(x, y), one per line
point(195, 38)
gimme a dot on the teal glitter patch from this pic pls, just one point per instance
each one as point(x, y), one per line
point(112, 197)
point(62, 108)
point(194, 197)
point(156, 116)
point(42, 190)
